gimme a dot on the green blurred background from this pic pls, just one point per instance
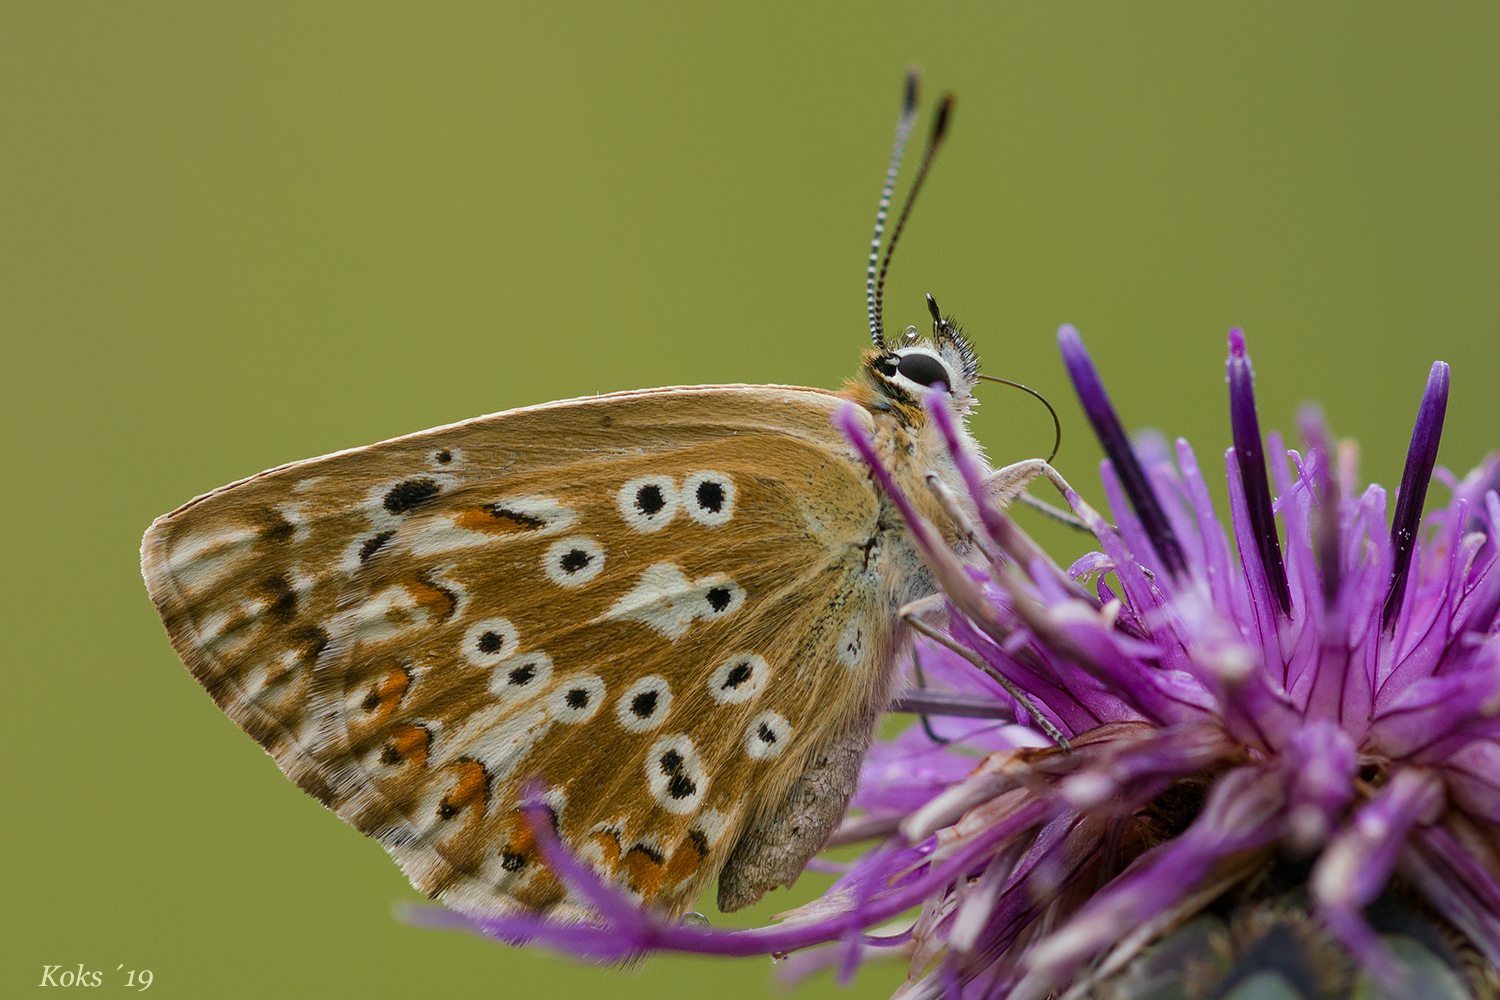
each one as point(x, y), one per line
point(233, 238)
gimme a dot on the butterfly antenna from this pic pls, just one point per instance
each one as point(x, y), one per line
point(903, 130)
point(934, 141)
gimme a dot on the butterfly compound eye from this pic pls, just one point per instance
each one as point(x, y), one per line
point(924, 369)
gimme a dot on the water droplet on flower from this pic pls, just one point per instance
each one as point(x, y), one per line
point(693, 918)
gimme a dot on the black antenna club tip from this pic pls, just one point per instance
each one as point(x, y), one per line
point(945, 109)
point(932, 307)
point(909, 100)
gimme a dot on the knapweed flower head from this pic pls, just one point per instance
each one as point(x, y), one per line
point(1298, 734)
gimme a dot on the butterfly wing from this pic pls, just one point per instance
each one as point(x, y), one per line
point(661, 606)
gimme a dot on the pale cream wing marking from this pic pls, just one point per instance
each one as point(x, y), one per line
point(266, 585)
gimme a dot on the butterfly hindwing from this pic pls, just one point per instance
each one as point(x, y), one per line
point(656, 604)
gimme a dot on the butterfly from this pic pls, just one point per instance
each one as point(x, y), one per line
point(677, 610)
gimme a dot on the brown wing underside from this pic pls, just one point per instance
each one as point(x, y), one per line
point(415, 629)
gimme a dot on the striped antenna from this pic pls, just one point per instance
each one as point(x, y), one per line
point(939, 130)
point(903, 130)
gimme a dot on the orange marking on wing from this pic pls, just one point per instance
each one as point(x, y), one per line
point(495, 519)
point(393, 684)
point(519, 853)
point(686, 860)
point(385, 697)
point(542, 892)
point(608, 843)
point(410, 743)
point(521, 840)
point(643, 870)
point(471, 785)
point(430, 597)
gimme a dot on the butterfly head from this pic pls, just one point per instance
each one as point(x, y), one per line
point(901, 374)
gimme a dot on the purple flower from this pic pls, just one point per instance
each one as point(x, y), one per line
point(1330, 701)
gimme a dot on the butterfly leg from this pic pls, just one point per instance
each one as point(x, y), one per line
point(1009, 484)
point(912, 614)
point(1004, 485)
point(1053, 511)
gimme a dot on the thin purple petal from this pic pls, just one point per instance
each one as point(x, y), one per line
point(1111, 434)
point(1420, 458)
point(1248, 450)
point(1326, 535)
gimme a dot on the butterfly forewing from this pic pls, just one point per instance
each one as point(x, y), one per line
point(656, 605)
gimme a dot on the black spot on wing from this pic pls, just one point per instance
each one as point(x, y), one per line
point(643, 704)
point(407, 496)
point(681, 786)
point(649, 499)
point(699, 842)
point(274, 527)
point(711, 496)
point(373, 545)
point(524, 521)
point(281, 600)
point(311, 640)
point(718, 598)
